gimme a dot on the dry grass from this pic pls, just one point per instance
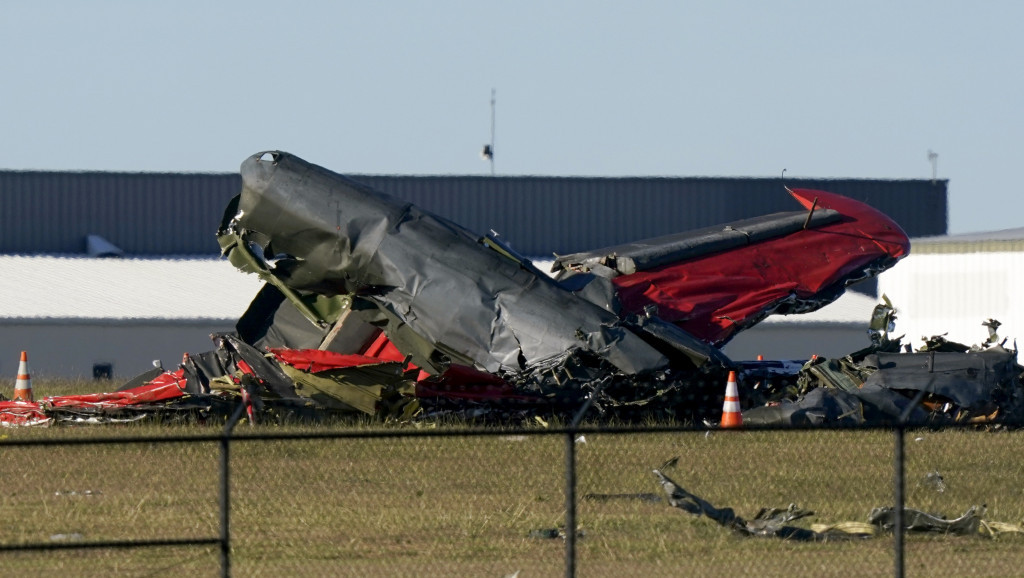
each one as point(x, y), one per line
point(465, 506)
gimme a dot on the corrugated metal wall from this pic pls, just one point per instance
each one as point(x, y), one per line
point(142, 213)
point(540, 215)
point(178, 214)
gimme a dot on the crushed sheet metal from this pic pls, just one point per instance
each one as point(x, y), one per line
point(91, 408)
point(769, 522)
point(979, 384)
point(22, 413)
point(439, 291)
point(917, 521)
point(774, 522)
point(446, 296)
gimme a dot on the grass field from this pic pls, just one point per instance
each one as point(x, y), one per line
point(465, 506)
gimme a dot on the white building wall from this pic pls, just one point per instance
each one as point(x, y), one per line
point(70, 350)
point(835, 330)
point(797, 341)
point(954, 293)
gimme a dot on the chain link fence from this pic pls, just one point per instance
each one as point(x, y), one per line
point(357, 500)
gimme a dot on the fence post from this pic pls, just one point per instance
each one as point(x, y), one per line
point(225, 491)
point(570, 505)
point(898, 478)
point(570, 480)
point(898, 565)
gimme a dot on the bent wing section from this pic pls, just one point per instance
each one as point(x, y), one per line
point(716, 282)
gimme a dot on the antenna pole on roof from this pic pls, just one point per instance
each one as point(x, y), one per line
point(488, 153)
point(933, 158)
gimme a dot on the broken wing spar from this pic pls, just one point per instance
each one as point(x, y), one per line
point(444, 295)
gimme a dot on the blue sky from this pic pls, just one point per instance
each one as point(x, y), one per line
point(860, 90)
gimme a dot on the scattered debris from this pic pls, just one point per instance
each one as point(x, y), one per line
point(917, 521)
point(669, 463)
point(553, 533)
point(933, 480)
point(773, 522)
point(77, 493)
point(374, 307)
point(956, 383)
point(769, 522)
point(547, 533)
point(854, 529)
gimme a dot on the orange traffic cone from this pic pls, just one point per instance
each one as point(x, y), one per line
point(23, 387)
point(731, 416)
point(759, 358)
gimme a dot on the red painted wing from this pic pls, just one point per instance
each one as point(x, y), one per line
point(714, 296)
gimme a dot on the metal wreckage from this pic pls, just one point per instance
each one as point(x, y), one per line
point(775, 522)
point(373, 306)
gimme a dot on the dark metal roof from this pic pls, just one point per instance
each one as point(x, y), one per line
point(178, 214)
